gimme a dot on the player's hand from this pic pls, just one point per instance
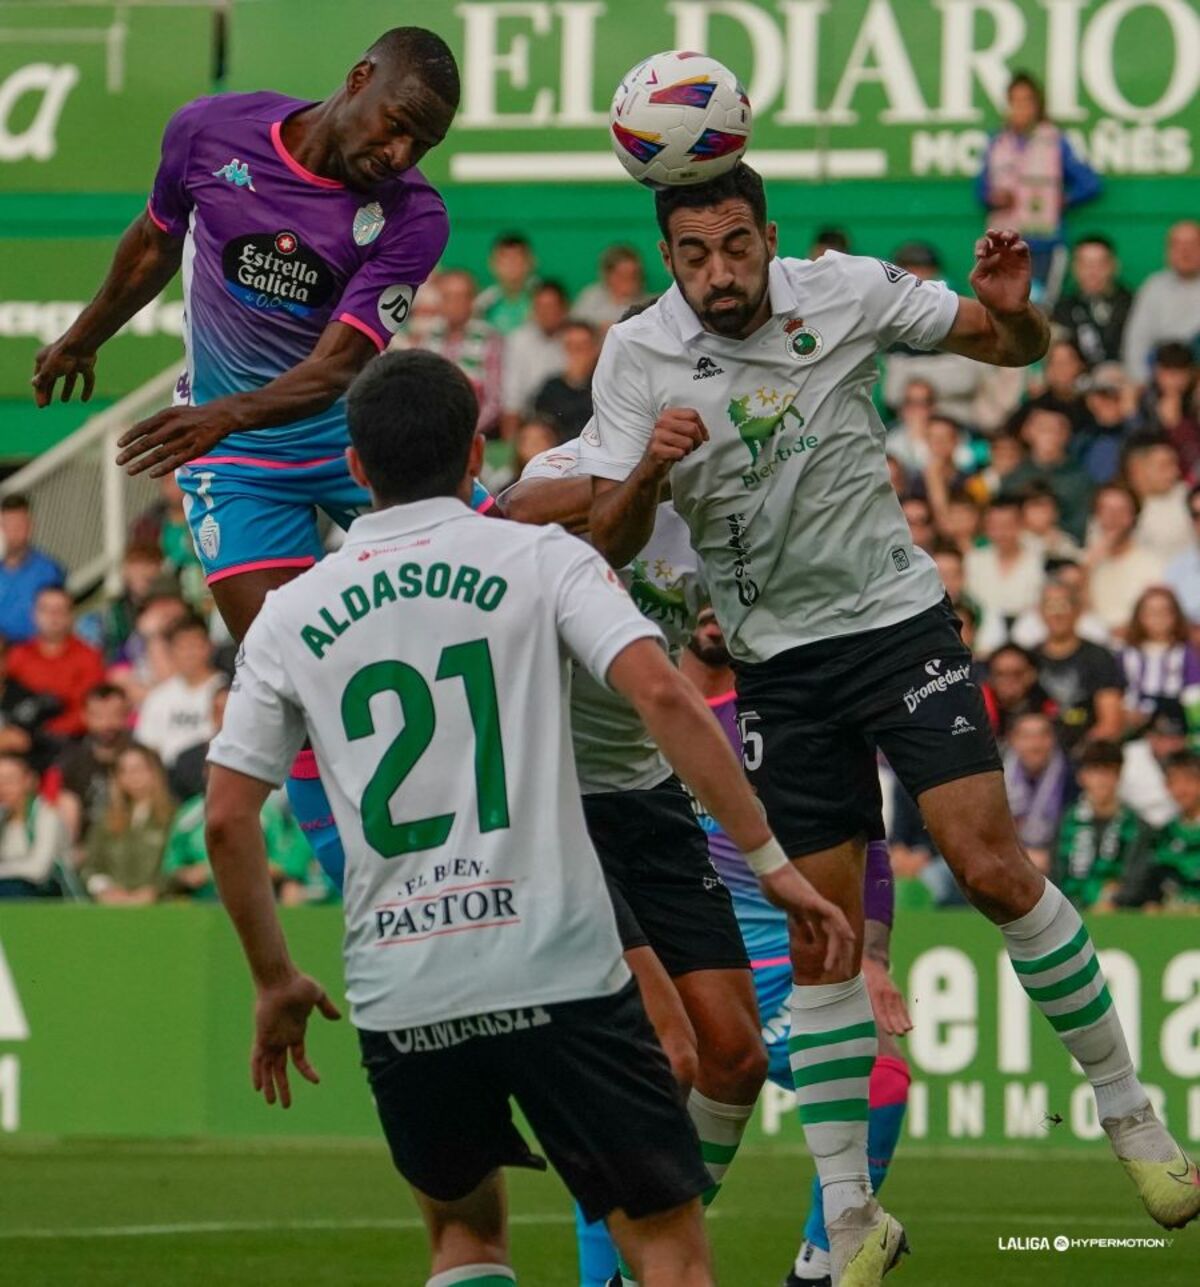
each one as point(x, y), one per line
point(678, 431)
point(816, 917)
point(891, 1013)
point(164, 442)
point(1003, 272)
point(61, 361)
point(280, 1019)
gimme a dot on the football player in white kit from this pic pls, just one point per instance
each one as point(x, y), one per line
point(428, 662)
point(748, 385)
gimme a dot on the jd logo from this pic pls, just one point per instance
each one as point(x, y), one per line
point(759, 416)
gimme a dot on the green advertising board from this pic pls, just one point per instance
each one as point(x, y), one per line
point(137, 1023)
point(871, 114)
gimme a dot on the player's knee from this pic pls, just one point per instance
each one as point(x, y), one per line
point(734, 1071)
point(999, 880)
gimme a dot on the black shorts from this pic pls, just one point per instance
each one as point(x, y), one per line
point(590, 1078)
point(813, 716)
point(665, 890)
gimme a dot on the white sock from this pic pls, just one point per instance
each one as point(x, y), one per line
point(811, 1262)
point(720, 1127)
point(832, 1050)
point(1053, 956)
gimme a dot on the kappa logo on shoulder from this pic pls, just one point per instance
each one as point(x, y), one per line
point(236, 172)
point(706, 368)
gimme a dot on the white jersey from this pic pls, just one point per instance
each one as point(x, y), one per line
point(789, 503)
point(613, 751)
point(428, 660)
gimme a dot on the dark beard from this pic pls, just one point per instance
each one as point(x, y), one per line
point(731, 322)
point(715, 655)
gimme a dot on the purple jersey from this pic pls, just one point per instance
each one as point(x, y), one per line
point(274, 253)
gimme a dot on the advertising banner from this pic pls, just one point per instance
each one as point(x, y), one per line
point(120, 1022)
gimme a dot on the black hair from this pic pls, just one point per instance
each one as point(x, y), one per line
point(15, 501)
point(412, 417)
point(634, 310)
point(510, 241)
point(1025, 655)
point(739, 184)
point(1097, 239)
point(1004, 501)
point(1030, 82)
point(1038, 489)
point(186, 625)
point(1182, 760)
point(422, 53)
point(832, 239)
point(1173, 355)
point(580, 324)
point(1102, 754)
point(102, 692)
point(552, 284)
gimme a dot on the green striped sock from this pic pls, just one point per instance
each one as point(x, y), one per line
point(832, 1050)
point(1052, 953)
point(720, 1127)
point(474, 1276)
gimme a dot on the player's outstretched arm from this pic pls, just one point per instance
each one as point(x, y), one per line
point(1000, 325)
point(163, 442)
point(145, 261)
point(285, 997)
point(622, 515)
point(690, 737)
point(538, 501)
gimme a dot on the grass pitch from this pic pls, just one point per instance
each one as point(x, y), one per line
point(234, 1214)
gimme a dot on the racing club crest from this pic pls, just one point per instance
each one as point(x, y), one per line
point(802, 342)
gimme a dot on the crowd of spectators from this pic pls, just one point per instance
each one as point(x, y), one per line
point(1061, 505)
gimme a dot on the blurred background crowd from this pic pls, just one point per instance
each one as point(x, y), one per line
point(1060, 503)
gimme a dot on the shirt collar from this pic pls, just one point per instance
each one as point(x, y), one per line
point(779, 288)
point(398, 520)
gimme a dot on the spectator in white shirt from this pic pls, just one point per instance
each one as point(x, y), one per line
point(1167, 306)
point(622, 283)
point(1005, 576)
point(533, 353)
point(1164, 526)
point(1119, 569)
point(178, 713)
point(33, 839)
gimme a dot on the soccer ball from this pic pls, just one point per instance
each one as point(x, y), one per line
point(679, 118)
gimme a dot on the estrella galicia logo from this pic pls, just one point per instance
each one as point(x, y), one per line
point(276, 272)
point(236, 172)
point(706, 368)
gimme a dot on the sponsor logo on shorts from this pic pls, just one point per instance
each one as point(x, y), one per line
point(209, 537)
point(961, 725)
point(445, 1036)
point(940, 681)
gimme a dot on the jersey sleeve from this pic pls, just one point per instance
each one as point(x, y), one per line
point(378, 298)
point(897, 307)
point(557, 462)
point(170, 203)
point(596, 617)
point(623, 416)
point(264, 726)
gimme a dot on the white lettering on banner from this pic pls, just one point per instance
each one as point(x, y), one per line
point(1062, 70)
point(1179, 1038)
point(802, 19)
point(964, 1110)
point(13, 1024)
point(1012, 1028)
point(879, 40)
point(10, 1094)
point(944, 1005)
point(483, 63)
point(1085, 1116)
point(1125, 985)
point(577, 74)
point(691, 32)
point(963, 64)
point(916, 1119)
point(1098, 54)
point(1025, 1109)
point(47, 319)
point(1193, 1112)
point(38, 140)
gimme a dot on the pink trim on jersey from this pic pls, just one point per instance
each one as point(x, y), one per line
point(304, 766)
point(770, 960)
point(155, 220)
point(487, 504)
point(889, 1081)
point(259, 566)
point(722, 699)
point(258, 463)
point(292, 164)
point(351, 320)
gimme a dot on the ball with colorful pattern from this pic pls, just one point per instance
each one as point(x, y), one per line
point(679, 118)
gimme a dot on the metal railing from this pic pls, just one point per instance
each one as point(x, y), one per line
point(82, 503)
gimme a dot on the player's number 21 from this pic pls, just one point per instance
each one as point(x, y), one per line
point(470, 662)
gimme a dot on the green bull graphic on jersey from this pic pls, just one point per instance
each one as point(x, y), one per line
point(758, 429)
point(665, 603)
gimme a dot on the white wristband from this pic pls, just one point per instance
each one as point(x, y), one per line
point(766, 858)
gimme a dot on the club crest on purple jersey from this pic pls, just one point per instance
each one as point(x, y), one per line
point(368, 223)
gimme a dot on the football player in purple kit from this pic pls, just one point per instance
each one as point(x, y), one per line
point(303, 230)
point(707, 664)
